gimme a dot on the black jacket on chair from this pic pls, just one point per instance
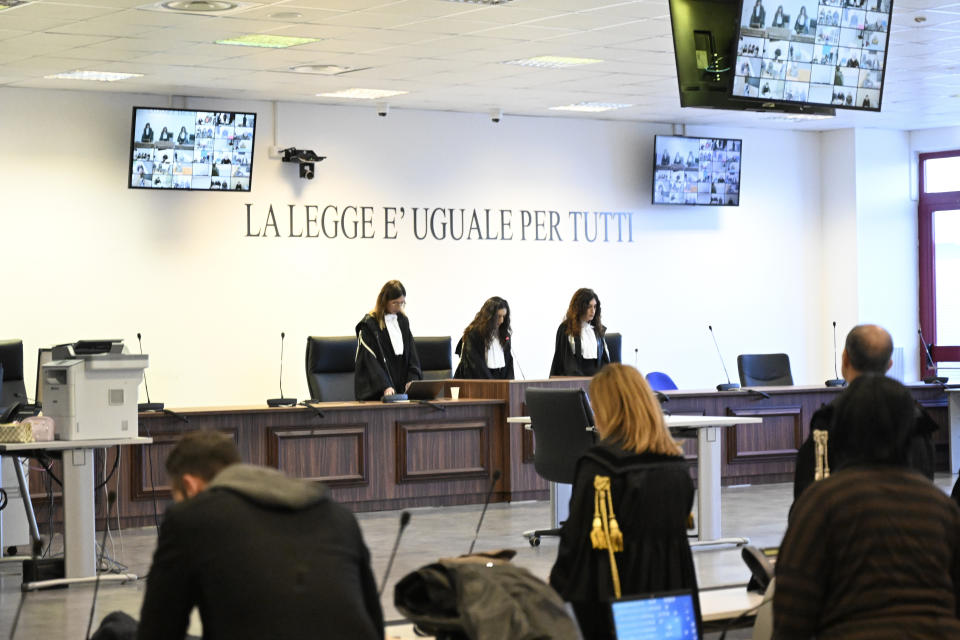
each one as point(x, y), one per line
point(652, 498)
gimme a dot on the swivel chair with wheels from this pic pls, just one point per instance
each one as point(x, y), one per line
point(764, 370)
point(436, 361)
point(660, 381)
point(562, 424)
point(330, 364)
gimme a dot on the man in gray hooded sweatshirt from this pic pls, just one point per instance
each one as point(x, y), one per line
point(263, 556)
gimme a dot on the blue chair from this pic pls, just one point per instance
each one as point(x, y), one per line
point(660, 381)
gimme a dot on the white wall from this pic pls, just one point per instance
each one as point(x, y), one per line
point(92, 258)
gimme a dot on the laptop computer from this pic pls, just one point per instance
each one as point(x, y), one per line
point(657, 616)
point(425, 389)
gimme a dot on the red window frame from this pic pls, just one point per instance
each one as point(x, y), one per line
point(928, 203)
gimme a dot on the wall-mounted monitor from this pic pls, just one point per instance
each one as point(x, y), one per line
point(191, 149)
point(827, 52)
point(696, 171)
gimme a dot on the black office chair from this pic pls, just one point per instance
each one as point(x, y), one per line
point(11, 358)
point(436, 361)
point(562, 423)
point(764, 370)
point(330, 362)
point(614, 342)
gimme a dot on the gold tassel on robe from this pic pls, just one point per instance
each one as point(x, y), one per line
point(606, 532)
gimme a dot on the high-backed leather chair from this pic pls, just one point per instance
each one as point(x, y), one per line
point(436, 360)
point(330, 362)
point(11, 357)
point(764, 370)
point(561, 420)
point(614, 342)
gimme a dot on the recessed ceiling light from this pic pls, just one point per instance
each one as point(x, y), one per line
point(268, 41)
point(553, 62)
point(361, 94)
point(324, 69)
point(591, 107)
point(100, 76)
point(482, 1)
point(285, 15)
point(199, 6)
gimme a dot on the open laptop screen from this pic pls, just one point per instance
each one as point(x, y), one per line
point(664, 616)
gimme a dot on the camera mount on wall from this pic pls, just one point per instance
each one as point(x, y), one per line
point(305, 158)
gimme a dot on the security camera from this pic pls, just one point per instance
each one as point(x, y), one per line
point(383, 109)
point(306, 170)
point(305, 158)
point(495, 115)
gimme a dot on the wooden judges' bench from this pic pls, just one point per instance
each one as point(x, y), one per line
point(378, 456)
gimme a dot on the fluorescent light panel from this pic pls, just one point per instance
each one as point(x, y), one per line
point(591, 107)
point(100, 76)
point(361, 94)
point(553, 62)
point(323, 69)
point(267, 41)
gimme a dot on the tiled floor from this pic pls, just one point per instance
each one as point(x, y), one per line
point(758, 512)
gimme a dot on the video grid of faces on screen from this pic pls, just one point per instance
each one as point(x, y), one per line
point(696, 171)
point(831, 53)
point(202, 150)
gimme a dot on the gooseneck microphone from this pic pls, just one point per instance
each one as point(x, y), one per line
point(148, 405)
point(934, 379)
point(729, 386)
point(281, 401)
point(493, 482)
point(837, 380)
point(404, 521)
point(111, 500)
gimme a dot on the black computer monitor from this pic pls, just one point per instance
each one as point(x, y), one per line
point(11, 358)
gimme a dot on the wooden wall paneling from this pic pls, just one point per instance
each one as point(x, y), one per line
point(442, 449)
point(337, 456)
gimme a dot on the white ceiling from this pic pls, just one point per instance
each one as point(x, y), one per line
point(447, 55)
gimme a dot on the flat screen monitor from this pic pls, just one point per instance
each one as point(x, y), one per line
point(11, 359)
point(830, 52)
point(198, 150)
point(673, 616)
point(696, 171)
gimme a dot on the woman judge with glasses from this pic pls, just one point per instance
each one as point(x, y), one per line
point(386, 360)
point(580, 349)
point(484, 349)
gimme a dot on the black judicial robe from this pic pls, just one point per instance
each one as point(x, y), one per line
point(473, 359)
point(568, 355)
point(652, 499)
point(376, 366)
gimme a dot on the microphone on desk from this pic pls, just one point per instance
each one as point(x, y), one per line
point(513, 352)
point(111, 500)
point(934, 379)
point(404, 521)
point(837, 380)
point(148, 405)
point(281, 401)
point(729, 386)
point(493, 483)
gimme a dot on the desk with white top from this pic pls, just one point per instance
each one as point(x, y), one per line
point(79, 526)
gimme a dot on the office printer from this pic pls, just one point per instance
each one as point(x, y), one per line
point(90, 390)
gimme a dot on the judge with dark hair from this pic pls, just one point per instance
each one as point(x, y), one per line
point(779, 20)
point(147, 135)
point(867, 352)
point(386, 360)
point(484, 349)
point(758, 16)
point(580, 348)
point(801, 26)
point(183, 137)
point(259, 554)
point(873, 551)
point(165, 136)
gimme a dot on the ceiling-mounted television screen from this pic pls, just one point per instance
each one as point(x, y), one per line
point(696, 171)
point(191, 149)
point(831, 52)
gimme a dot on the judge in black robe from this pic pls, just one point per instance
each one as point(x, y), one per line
point(568, 350)
point(652, 496)
point(378, 369)
point(491, 323)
